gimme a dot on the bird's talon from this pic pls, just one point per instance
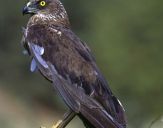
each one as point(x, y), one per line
point(57, 124)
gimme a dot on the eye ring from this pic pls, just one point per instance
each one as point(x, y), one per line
point(42, 3)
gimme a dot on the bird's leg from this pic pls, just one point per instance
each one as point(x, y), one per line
point(68, 116)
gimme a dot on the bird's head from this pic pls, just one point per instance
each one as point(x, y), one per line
point(46, 10)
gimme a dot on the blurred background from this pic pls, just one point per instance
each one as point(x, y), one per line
point(126, 37)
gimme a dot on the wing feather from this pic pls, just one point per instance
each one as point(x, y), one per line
point(33, 65)
point(88, 107)
point(73, 71)
point(43, 65)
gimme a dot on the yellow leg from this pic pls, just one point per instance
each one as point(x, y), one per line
point(57, 124)
point(63, 123)
point(54, 126)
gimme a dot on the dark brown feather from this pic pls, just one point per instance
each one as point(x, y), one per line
point(73, 62)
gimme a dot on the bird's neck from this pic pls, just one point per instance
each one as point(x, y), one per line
point(49, 19)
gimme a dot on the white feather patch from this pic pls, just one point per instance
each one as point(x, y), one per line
point(33, 65)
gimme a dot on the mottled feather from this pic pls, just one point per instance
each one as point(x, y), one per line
point(57, 51)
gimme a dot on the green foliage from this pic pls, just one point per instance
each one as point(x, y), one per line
point(125, 37)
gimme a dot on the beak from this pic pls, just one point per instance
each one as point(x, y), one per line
point(29, 9)
point(25, 10)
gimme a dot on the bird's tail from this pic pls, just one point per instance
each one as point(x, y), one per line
point(109, 102)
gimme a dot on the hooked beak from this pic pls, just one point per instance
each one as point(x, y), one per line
point(29, 9)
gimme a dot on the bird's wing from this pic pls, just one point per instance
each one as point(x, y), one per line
point(102, 92)
point(73, 62)
point(90, 110)
point(38, 62)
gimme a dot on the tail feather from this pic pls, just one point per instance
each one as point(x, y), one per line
point(110, 103)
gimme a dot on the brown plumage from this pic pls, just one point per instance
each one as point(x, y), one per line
point(49, 39)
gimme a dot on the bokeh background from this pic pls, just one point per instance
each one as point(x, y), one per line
point(126, 37)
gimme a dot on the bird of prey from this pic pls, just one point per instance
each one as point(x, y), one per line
point(62, 58)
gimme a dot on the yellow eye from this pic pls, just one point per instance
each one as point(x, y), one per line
point(42, 3)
